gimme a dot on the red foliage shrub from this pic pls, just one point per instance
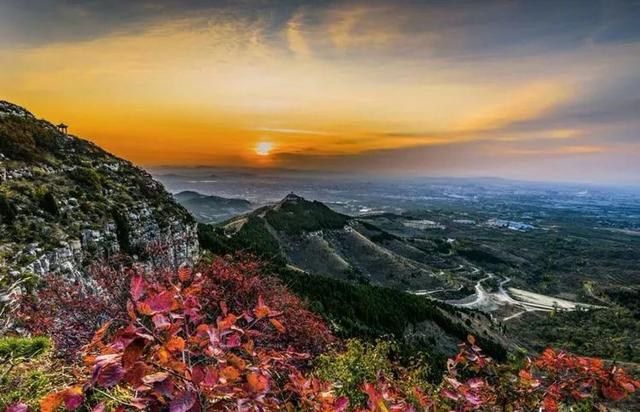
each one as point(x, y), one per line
point(184, 349)
point(240, 285)
point(474, 381)
point(71, 312)
point(227, 338)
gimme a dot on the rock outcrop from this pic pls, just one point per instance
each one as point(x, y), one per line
point(66, 203)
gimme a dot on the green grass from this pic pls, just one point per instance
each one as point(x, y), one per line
point(28, 371)
point(252, 237)
point(304, 216)
point(27, 348)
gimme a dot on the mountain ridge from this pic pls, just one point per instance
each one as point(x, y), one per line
point(65, 202)
point(316, 239)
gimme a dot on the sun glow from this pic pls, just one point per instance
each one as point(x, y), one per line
point(264, 148)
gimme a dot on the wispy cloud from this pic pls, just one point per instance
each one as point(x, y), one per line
point(293, 131)
point(562, 150)
point(296, 36)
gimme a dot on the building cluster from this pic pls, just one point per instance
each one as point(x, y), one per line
point(510, 224)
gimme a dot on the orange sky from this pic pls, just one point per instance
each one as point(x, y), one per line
point(350, 79)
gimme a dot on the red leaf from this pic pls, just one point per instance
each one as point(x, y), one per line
point(233, 341)
point(261, 310)
point(51, 402)
point(227, 322)
point(210, 376)
point(155, 377)
point(131, 311)
point(197, 375)
point(613, 393)
point(182, 402)
point(138, 403)
point(184, 274)
point(230, 373)
point(224, 308)
point(132, 352)
point(472, 398)
point(341, 404)
point(109, 374)
point(276, 323)
point(549, 404)
point(17, 407)
point(134, 374)
point(137, 287)
point(448, 394)
point(73, 398)
point(160, 321)
point(175, 344)
point(257, 383)
point(160, 303)
point(99, 407)
point(164, 388)
point(99, 335)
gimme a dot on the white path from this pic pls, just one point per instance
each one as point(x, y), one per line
point(525, 300)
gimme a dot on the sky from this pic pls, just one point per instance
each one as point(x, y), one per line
point(537, 90)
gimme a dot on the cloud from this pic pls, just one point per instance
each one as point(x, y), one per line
point(562, 150)
point(296, 37)
point(293, 131)
point(525, 103)
point(432, 86)
point(362, 26)
point(483, 158)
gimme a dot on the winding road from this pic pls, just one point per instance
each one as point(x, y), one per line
point(526, 300)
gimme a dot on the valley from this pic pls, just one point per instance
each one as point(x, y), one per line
point(523, 253)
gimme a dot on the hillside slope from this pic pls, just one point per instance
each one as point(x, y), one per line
point(342, 267)
point(310, 236)
point(64, 202)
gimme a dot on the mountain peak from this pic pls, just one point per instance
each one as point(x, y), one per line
point(292, 197)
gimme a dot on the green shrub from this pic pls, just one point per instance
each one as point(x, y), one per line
point(253, 237)
point(88, 179)
point(28, 371)
point(7, 210)
point(123, 231)
point(49, 204)
point(28, 139)
point(304, 216)
point(13, 348)
point(359, 363)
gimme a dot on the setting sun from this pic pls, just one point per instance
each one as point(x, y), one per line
point(264, 148)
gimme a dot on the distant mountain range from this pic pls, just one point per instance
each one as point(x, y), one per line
point(210, 208)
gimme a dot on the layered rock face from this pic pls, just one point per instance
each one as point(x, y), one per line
point(66, 203)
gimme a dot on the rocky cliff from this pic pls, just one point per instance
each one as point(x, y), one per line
point(65, 203)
